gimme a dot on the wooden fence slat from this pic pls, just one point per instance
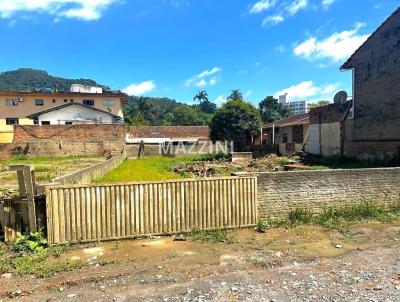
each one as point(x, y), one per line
point(103, 212)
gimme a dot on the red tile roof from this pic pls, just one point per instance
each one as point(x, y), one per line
point(298, 119)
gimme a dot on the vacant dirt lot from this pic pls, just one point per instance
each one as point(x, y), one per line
point(299, 264)
point(46, 168)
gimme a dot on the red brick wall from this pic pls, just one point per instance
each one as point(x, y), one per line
point(83, 133)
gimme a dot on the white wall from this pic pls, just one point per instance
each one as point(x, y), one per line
point(75, 112)
point(330, 139)
point(313, 145)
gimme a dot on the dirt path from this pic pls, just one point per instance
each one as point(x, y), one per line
point(301, 264)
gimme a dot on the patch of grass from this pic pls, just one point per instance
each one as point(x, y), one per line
point(104, 262)
point(336, 217)
point(37, 265)
point(340, 162)
point(259, 262)
point(29, 254)
point(217, 235)
point(300, 216)
point(151, 168)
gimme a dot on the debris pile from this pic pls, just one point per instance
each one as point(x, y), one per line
point(267, 163)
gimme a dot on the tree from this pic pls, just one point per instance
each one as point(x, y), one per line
point(318, 104)
point(187, 116)
point(205, 105)
point(235, 95)
point(235, 120)
point(136, 120)
point(201, 96)
point(271, 110)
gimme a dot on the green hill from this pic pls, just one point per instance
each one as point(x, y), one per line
point(28, 79)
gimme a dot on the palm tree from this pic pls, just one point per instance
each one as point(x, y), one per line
point(235, 95)
point(202, 96)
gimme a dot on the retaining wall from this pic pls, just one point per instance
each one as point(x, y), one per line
point(281, 192)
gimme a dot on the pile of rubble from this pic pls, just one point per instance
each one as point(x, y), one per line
point(267, 163)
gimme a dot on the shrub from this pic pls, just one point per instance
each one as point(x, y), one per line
point(300, 216)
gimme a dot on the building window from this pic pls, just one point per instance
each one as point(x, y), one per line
point(39, 102)
point(54, 100)
point(13, 102)
point(284, 138)
point(108, 103)
point(36, 121)
point(88, 102)
point(65, 100)
point(68, 123)
point(45, 122)
point(71, 100)
point(12, 121)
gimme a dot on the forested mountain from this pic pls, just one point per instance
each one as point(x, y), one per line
point(27, 79)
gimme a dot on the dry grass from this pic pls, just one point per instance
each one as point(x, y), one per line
point(45, 168)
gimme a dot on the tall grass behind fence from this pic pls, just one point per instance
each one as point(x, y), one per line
point(114, 211)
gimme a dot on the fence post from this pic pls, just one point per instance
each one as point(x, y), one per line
point(27, 190)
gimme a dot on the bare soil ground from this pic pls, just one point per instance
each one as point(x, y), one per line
point(46, 168)
point(305, 263)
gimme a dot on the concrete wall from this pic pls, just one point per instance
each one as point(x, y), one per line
point(87, 175)
point(281, 192)
point(74, 113)
point(330, 139)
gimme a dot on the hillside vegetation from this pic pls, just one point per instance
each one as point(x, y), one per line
point(28, 79)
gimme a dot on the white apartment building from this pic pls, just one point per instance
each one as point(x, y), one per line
point(296, 107)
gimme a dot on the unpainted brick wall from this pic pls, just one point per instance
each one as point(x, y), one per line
point(69, 132)
point(69, 140)
point(281, 192)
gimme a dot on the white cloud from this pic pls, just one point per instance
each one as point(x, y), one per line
point(308, 90)
point(337, 47)
point(261, 6)
point(296, 5)
point(204, 78)
point(220, 100)
point(327, 3)
point(273, 20)
point(86, 10)
point(210, 72)
point(140, 89)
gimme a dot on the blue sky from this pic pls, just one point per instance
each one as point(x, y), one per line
point(174, 48)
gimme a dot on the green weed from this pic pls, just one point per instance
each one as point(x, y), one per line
point(259, 262)
point(217, 235)
point(339, 217)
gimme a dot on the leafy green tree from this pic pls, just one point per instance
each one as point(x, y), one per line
point(235, 95)
point(271, 110)
point(136, 120)
point(318, 104)
point(187, 116)
point(235, 120)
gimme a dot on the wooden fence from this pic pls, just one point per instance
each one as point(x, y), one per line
point(113, 211)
